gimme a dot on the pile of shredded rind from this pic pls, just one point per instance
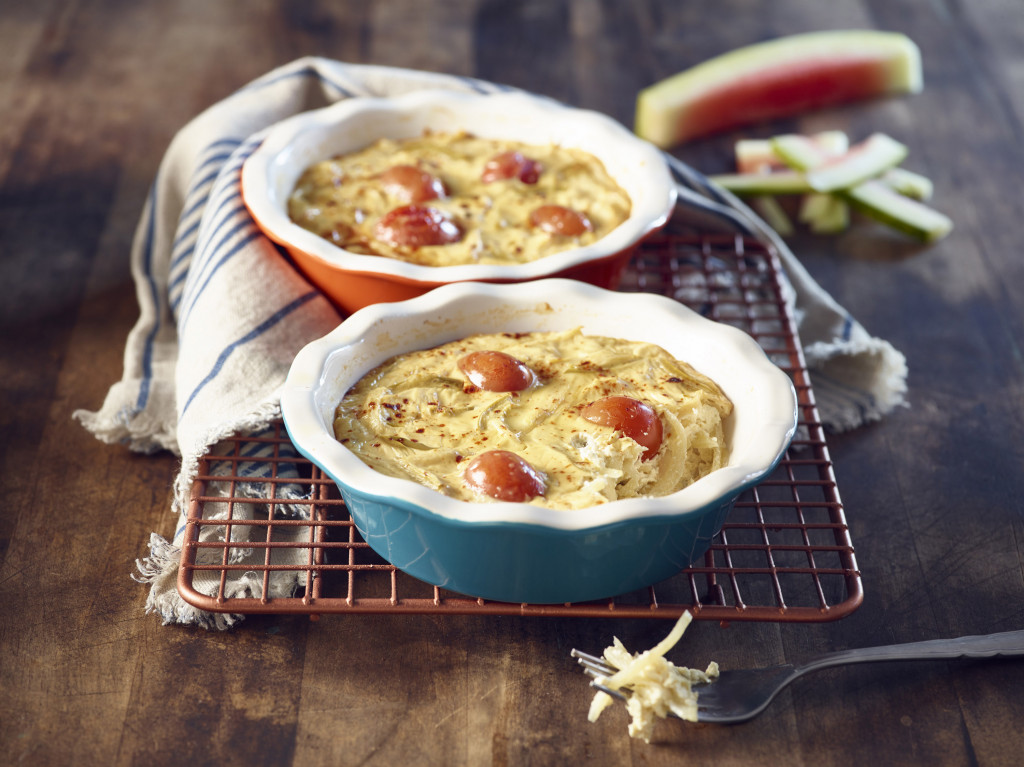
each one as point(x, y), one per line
point(657, 686)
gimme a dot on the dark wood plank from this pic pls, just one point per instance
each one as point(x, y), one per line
point(91, 95)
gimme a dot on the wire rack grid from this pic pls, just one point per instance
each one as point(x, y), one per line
point(267, 531)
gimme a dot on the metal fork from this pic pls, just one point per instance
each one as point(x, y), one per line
point(740, 695)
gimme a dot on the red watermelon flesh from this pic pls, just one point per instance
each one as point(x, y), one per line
point(775, 79)
point(782, 91)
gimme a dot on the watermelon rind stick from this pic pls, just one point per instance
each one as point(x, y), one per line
point(908, 183)
point(874, 197)
point(780, 182)
point(754, 155)
point(769, 208)
point(882, 203)
point(872, 157)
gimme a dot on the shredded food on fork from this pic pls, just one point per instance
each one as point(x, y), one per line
point(657, 686)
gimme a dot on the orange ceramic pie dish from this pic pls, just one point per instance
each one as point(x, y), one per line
point(354, 279)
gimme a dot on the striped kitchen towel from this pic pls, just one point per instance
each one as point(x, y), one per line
point(222, 312)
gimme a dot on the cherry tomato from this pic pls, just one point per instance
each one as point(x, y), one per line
point(503, 475)
point(556, 219)
point(630, 417)
point(415, 226)
point(410, 184)
point(511, 164)
point(496, 371)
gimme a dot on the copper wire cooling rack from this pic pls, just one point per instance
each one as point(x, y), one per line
point(268, 533)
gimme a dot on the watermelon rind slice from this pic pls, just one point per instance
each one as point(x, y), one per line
point(908, 183)
point(777, 78)
point(824, 213)
point(799, 152)
point(882, 203)
point(778, 182)
point(769, 208)
point(759, 155)
point(872, 157)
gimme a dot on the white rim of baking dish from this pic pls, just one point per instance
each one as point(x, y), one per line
point(759, 431)
point(270, 173)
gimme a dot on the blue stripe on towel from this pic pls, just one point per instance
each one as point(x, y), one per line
point(847, 327)
point(476, 85)
point(694, 193)
point(265, 469)
point(702, 183)
point(173, 288)
point(223, 211)
point(183, 234)
point(227, 205)
point(181, 261)
point(229, 142)
point(209, 252)
point(197, 196)
point(683, 172)
point(146, 382)
point(210, 165)
point(147, 271)
point(253, 234)
point(256, 332)
point(226, 192)
point(306, 71)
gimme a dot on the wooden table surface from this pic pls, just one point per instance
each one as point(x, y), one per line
point(91, 93)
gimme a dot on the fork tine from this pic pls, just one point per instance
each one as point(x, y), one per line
point(594, 663)
point(596, 669)
point(614, 693)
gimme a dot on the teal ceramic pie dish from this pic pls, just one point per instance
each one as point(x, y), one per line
point(518, 552)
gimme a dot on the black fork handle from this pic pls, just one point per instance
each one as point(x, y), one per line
point(1007, 643)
